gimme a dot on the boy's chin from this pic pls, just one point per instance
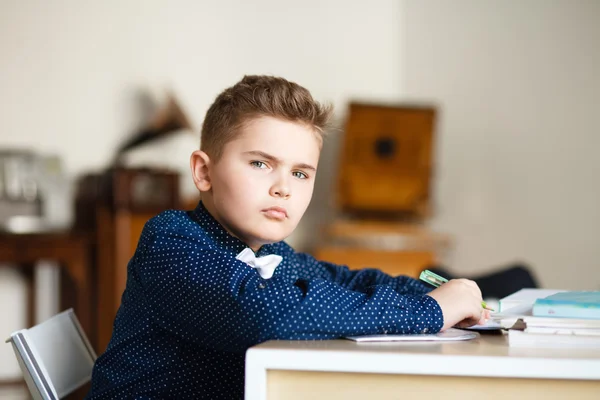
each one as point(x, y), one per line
point(271, 237)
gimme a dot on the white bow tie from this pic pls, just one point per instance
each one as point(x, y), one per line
point(264, 265)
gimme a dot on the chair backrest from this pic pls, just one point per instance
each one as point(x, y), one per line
point(55, 356)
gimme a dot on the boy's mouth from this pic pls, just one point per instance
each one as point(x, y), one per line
point(277, 213)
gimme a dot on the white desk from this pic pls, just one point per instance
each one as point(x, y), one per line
point(484, 368)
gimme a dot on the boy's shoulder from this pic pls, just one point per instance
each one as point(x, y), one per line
point(169, 216)
point(172, 220)
point(175, 224)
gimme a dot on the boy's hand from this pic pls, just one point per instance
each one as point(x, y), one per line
point(460, 301)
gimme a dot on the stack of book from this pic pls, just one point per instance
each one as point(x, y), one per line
point(546, 318)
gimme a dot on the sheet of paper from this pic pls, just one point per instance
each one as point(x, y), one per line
point(447, 335)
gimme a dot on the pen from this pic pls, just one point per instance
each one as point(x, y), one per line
point(437, 281)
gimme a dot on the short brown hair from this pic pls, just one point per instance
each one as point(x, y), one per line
point(256, 96)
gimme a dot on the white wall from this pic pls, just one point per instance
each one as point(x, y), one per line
point(518, 84)
point(71, 70)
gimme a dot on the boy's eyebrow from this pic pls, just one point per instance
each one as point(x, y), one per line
point(277, 160)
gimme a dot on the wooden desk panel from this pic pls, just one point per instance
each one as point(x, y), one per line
point(301, 385)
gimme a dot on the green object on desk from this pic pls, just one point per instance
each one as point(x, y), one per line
point(437, 281)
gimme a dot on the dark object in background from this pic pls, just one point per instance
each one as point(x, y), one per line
point(20, 194)
point(166, 121)
point(498, 284)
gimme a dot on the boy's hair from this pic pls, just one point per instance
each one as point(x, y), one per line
point(257, 96)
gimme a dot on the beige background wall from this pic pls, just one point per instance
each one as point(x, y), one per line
point(519, 135)
point(515, 81)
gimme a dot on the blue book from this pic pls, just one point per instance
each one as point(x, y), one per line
point(584, 305)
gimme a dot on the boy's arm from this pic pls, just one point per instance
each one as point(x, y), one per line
point(210, 298)
point(361, 279)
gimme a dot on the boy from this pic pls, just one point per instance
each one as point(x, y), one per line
point(205, 285)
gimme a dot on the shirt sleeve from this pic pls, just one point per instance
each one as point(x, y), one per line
point(207, 297)
point(361, 279)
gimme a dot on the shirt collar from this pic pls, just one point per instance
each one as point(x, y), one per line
point(215, 231)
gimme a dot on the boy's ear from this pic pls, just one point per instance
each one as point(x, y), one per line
point(199, 163)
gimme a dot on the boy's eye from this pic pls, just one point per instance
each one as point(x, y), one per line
point(300, 175)
point(258, 164)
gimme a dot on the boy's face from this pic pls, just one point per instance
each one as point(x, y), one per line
point(261, 186)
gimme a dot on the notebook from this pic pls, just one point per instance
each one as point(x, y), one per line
point(585, 305)
point(524, 297)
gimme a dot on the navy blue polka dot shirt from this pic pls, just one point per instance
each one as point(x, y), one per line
point(190, 310)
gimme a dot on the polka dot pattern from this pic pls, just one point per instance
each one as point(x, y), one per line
point(190, 310)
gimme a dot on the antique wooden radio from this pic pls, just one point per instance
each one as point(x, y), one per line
point(383, 192)
point(387, 161)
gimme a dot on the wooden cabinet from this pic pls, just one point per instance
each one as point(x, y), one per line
point(400, 262)
point(396, 249)
point(114, 207)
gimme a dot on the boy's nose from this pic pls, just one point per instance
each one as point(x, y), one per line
point(281, 189)
point(281, 192)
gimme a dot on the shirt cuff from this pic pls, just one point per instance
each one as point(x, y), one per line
point(431, 318)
